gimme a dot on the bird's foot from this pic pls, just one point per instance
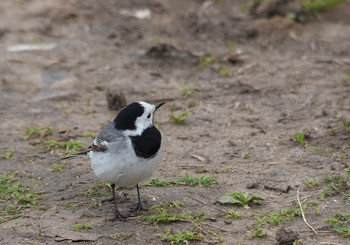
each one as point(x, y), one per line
point(138, 209)
point(117, 215)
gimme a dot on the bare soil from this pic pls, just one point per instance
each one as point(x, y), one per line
point(283, 77)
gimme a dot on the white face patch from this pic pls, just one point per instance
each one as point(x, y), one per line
point(144, 121)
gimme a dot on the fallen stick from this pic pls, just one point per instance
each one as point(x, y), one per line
point(216, 227)
point(302, 213)
point(330, 243)
point(200, 158)
point(207, 204)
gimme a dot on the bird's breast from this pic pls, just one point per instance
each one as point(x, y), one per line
point(148, 143)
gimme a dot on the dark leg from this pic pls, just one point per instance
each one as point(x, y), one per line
point(117, 215)
point(139, 204)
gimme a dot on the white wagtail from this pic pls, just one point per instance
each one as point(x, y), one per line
point(127, 150)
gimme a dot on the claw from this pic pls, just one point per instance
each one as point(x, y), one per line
point(139, 204)
point(117, 215)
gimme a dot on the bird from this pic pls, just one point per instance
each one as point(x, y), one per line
point(127, 150)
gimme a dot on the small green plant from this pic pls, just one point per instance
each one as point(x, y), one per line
point(180, 119)
point(314, 148)
point(68, 147)
point(57, 168)
point(227, 169)
point(50, 144)
point(78, 227)
point(165, 213)
point(186, 91)
point(261, 221)
point(174, 107)
point(320, 5)
point(326, 191)
point(72, 147)
point(221, 239)
point(28, 160)
point(88, 101)
point(340, 223)
point(64, 110)
point(200, 169)
point(336, 184)
point(243, 7)
point(231, 46)
point(342, 157)
point(246, 155)
point(299, 137)
point(157, 182)
point(90, 111)
point(9, 154)
point(233, 214)
point(319, 149)
point(38, 132)
point(206, 59)
point(343, 125)
point(346, 124)
point(178, 237)
point(95, 203)
point(224, 71)
point(32, 131)
point(257, 1)
point(9, 210)
point(257, 233)
point(242, 198)
point(205, 181)
point(277, 217)
point(35, 40)
point(310, 184)
point(120, 236)
point(89, 135)
point(15, 196)
point(345, 79)
point(297, 242)
point(93, 190)
point(72, 205)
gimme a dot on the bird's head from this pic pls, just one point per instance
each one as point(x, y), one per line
point(136, 117)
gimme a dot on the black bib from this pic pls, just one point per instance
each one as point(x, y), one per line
point(148, 144)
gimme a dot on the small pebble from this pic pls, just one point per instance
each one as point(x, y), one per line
point(227, 222)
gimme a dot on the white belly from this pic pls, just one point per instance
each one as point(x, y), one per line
point(123, 168)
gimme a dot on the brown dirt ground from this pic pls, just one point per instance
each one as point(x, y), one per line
point(288, 77)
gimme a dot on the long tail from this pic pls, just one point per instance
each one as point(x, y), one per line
point(80, 154)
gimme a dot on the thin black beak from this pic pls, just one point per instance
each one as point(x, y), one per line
point(159, 105)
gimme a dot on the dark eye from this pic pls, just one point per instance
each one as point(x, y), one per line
point(149, 115)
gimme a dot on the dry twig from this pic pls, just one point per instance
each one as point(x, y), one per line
point(330, 243)
point(207, 204)
point(302, 213)
point(200, 158)
point(216, 227)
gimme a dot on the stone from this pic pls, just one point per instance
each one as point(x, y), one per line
point(115, 98)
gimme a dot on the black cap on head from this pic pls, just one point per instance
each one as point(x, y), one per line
point(126, 118)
